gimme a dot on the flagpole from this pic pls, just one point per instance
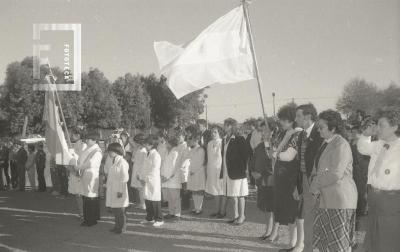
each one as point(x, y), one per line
point(253, 53)
point(59, 104)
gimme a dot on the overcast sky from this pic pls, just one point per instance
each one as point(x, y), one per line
point(307, 50)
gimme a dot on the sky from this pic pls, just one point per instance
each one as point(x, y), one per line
point(306, 50)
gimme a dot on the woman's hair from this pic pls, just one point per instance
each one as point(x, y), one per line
point(93, 135)
point(219, 130)
point(195, 136)
point(173, 141)
point(152, 140)
point(334, 121)
point(230, 122)
point(272, 124)
point(233, 123)
point(139, 138)
point(287, 112)
point(115, 147)
point(31, 147)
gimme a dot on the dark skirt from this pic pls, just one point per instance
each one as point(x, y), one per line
point(285, 206)
point(91, 210)
point(265, 198)
point(383, 232)
point(334, 229)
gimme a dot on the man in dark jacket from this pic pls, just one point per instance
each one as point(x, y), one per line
point(22, 157)
point(40, 160)
point(4, 163)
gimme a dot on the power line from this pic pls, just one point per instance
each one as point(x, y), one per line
point(271, 101)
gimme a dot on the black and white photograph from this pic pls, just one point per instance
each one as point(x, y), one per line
point(200, 125)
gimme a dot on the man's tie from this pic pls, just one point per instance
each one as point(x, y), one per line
point(379, 160)
point(321, 150)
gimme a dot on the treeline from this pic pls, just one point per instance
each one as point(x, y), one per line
point(131, 101)
point(363, 97)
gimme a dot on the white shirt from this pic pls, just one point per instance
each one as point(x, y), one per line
point(309, 129)
point(388, 174)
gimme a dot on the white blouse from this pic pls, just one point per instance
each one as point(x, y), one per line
point(387, 175)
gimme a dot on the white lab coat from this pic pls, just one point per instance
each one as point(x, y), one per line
point(89, 162)
point(138, 163)
point(118, 176)
point(151, 175)
point(170, 169)
point(74, 182)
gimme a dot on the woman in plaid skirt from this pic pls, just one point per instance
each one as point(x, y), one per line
point(333, 188)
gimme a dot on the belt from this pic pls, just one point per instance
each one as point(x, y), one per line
point(389, 192)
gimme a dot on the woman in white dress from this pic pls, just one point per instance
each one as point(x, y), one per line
point(197, 172)
point(214, 183)
point(117, 197)
point(138, 163)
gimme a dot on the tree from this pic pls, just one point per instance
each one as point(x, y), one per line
point(100, 106)
point(18, 99)
point(134, 101)
point(166, 110)
point(359, 94)
point(362, 97)
point(391, 95)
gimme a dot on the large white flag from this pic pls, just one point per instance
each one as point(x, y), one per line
point(219, 54)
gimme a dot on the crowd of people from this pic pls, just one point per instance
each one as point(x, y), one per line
point(313, 172)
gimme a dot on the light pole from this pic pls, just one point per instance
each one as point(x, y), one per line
point(273, 102)
point(205, 96)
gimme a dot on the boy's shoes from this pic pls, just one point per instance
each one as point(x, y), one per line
point(158, 223)
point(55, 193)
point(169, 216)
point(221, 216)
point(146, 222)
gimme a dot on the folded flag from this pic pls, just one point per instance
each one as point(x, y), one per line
point(219, 54)
point(55, 140)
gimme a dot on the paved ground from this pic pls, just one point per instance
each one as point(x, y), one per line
point(32, 221)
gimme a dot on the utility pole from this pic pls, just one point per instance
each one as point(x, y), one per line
point(273, 102)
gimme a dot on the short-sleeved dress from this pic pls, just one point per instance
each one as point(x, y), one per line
point(214, 183)
point(285, 174)
point(197, 170)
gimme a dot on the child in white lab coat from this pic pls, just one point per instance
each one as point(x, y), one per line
point(171, 180)
point(150, 178)
point(117, 190)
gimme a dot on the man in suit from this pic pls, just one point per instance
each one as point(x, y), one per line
point(309, 143)
point(234, 167)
